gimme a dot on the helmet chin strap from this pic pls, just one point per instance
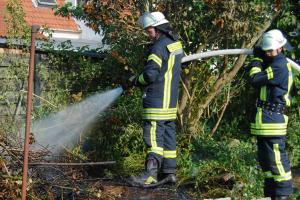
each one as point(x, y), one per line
point(279, 50)
point(157, 34)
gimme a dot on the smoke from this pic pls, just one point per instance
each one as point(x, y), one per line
point(63, 128)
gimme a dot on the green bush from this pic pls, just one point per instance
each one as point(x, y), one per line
point(210, 161)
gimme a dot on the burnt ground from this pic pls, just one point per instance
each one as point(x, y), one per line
point(296, 177)
point(296, 182)
point(74, 183)
point(134, 193)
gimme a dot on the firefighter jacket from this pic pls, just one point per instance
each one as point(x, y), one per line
point(274, 80)
point(160, 77)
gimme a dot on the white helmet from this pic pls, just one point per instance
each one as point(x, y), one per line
point(152, 19)
point(274, 39)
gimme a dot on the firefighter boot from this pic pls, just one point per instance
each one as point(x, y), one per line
point(170, 178)
point(148, 176)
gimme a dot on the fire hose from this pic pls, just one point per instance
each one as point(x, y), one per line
point(207, 54)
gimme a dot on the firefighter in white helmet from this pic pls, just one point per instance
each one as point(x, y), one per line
point(160, 78)
point(271, 74)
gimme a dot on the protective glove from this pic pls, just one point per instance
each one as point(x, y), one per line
point(129, 82)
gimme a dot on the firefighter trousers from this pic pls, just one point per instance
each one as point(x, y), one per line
point(275, 164)
point(160, 138)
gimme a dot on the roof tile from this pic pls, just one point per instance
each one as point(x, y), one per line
point(43, 16)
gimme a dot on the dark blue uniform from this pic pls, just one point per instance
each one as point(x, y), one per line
point(274, 80)
point(161, 77)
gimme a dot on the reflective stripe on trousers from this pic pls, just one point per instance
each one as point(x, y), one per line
point(160, 138)
point(275, 164)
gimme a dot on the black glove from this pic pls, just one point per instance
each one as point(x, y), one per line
point(258, 52)
point(129, 82)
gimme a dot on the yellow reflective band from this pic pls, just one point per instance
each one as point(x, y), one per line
point(170, 154)
point(168, 81)
point(157, 150)
point(263, 93)
point(159, 113)
point(153, 134)
point(278, 178)
point(160, 110)
point(268, 174)
point(156, 59)
point(150, 180)
point(255, 70)
point(142, 80)
point(257, 59)
point(174, 46)
point(270, 74)
point(278, 159)
point(286, 177)
point(268, 132)
point(290, 82)
point(286, 118)
point(258, 117)
point(269, 126)
point(159, 117)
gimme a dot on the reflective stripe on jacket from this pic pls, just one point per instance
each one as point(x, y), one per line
point(161, 76)
point(274, 81)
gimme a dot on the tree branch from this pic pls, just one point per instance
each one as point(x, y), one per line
point(226, 77)
point(222, 113)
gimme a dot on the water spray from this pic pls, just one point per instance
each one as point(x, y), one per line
point(63, 128)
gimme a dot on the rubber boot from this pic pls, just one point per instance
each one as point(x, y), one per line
point(170, 178)
point(167, 177)
point(148, 176)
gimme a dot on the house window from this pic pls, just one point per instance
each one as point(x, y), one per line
point(77, 2)
point(46, 2)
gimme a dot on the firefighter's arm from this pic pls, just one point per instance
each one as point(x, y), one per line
point(151, 70)
point(276, 74)
point(258, 76)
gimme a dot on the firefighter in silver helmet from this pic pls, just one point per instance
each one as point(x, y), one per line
point(160, 77)
point(271, 74)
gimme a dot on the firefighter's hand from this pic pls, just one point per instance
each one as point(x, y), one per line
point(258, 52)
point(130, 82)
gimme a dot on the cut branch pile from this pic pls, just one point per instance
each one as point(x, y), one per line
point(61, 177)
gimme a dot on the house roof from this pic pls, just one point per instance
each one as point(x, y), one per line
point(2, 23)
point(43, 16)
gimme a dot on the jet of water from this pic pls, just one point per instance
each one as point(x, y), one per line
point(64, 127)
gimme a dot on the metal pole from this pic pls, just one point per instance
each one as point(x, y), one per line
point(34, 30)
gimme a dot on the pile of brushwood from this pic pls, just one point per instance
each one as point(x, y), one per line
point(49, 177)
